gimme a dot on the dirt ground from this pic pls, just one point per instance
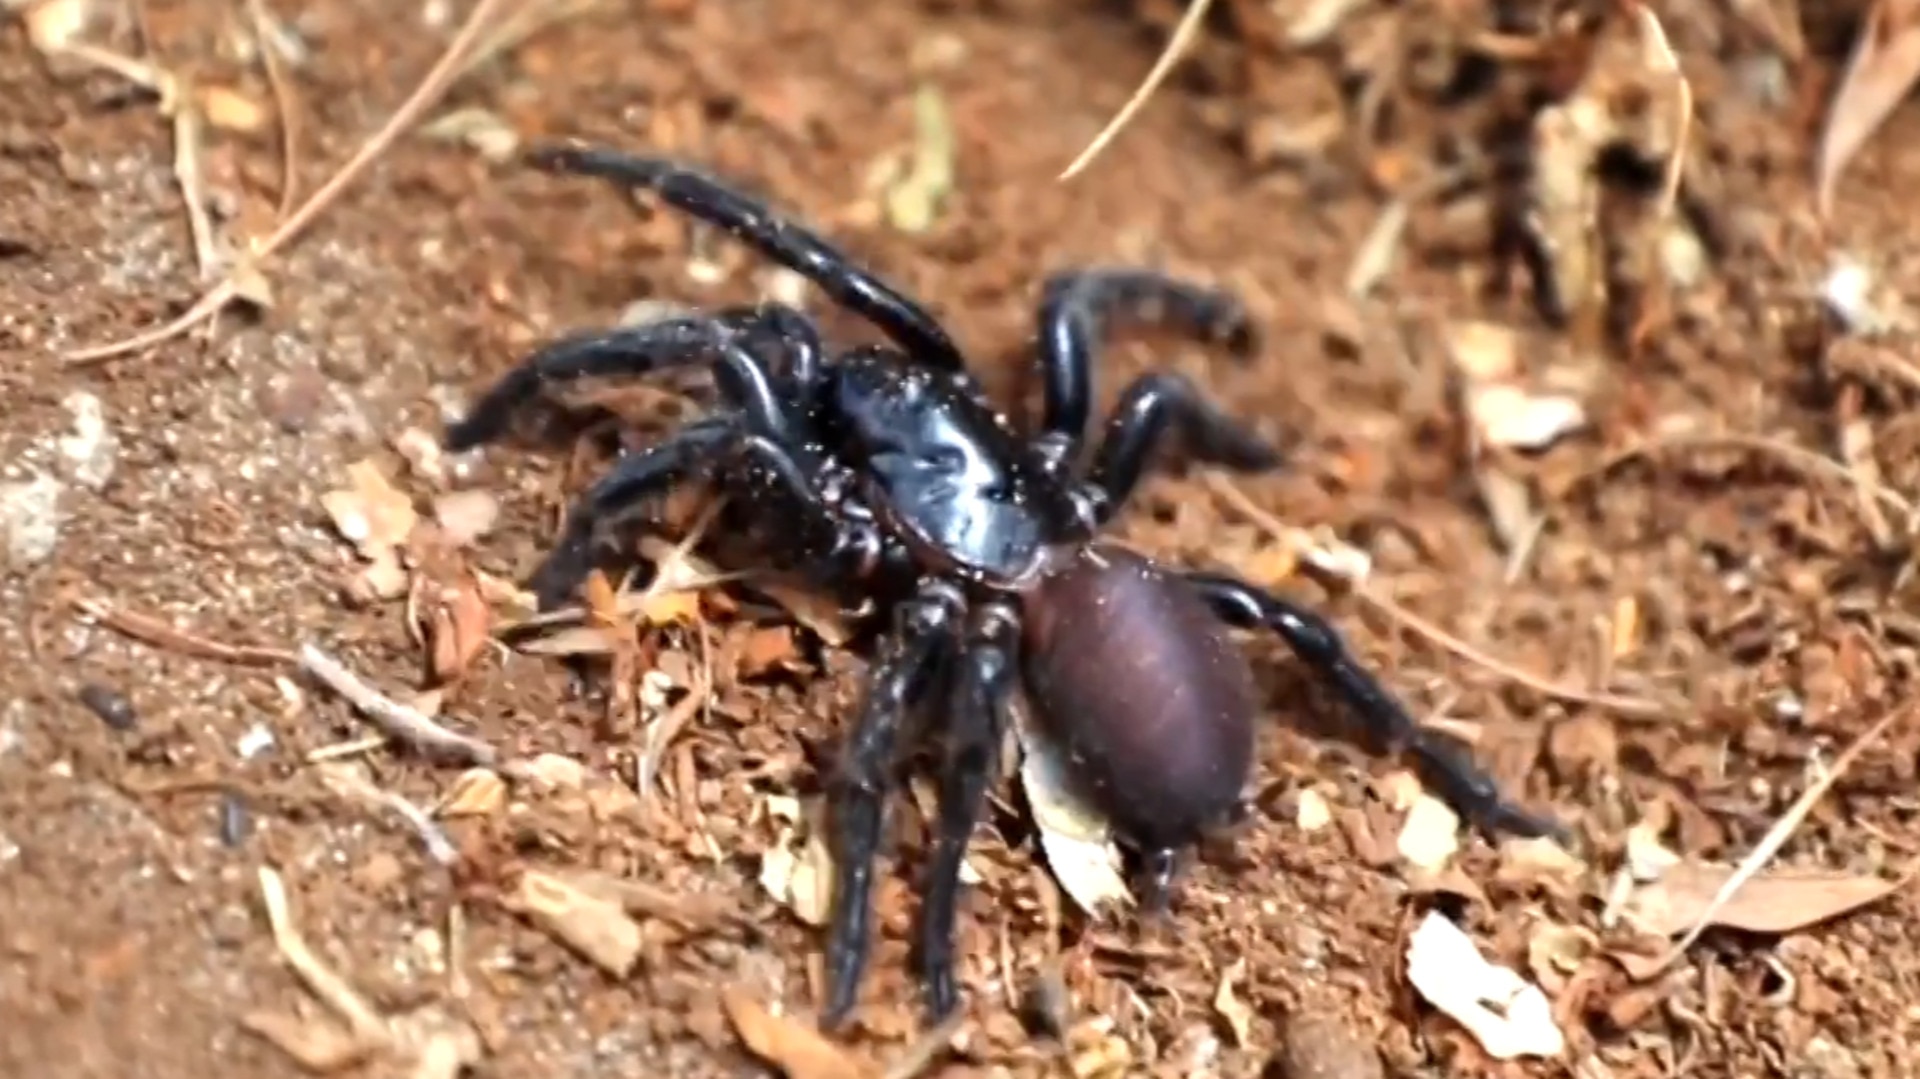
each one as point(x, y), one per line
point(1702, 608)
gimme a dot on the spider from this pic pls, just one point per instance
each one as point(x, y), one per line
point(890, 471)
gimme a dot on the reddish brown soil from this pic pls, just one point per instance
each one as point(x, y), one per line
point(131, 939)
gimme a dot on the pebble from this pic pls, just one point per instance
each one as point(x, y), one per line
point(92, 450)
point(1318, 1045)
point(30, 520)
point(112, 706)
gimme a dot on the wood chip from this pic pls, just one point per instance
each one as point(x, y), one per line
point(794, 1046)
point(597, 928)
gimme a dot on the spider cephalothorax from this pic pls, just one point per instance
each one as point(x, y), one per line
point(890, 472)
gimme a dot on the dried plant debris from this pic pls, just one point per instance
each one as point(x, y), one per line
point(1775, 901)
point(431, 1042)
point(1076, 839)
point(1880, 74)
point(1506, 1014)
point(1588, 243)
point(913, 200)
point(797, 868)
point(598, 928)
point(793, 1045)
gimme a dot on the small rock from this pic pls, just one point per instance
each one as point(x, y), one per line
point(92, 449)
point(112, 706)
point(1318, 1045)
point(30, 520)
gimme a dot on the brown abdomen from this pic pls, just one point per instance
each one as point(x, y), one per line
point(1128, 670)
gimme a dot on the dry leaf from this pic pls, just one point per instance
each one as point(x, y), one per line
point(1536, 859)
point(1511, 418)
point(53, 25)
point(1880, 74)
point(1508, 1016)
point(1556, 951)
point(817, 612)
point(459, 623)
point(476, 792)
point(1098, 1052)
point(370, 512)
point(1431, 834)
point(796, 1047)
point(765, 648)
point(799, 876)
point(1311, 811)
point(479, 128)
point(1238, 1016)
point(465, 516)
point(597, 928)
point(1483, 351)
point(1076, 839)
point(1776, 901)
point(230, 110)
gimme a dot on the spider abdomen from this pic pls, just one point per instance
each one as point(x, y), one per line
point(1136, 680)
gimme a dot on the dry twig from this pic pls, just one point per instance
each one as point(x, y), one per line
point(403, 723)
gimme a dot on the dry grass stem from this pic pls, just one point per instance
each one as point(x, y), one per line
point(365, 1024)
point(424, 97)
point(283, 103)
point(1177, 45)
point(159, 634)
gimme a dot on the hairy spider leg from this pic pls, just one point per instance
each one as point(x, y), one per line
point(1462, 783)
point(627, 352)
point(979, 710)
point(924, 630)
point(1077, 310)
point(776, 237)
point(1150, 408)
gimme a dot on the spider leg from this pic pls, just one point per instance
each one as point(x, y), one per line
point(653, 469)
point(1462, 783)
point(757, 225)
point(1075, 312)
point(979, 711)
point(857, 797)
point(777, 326)
point(1140, 421)
point(627, 351)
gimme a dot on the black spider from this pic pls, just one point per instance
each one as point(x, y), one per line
point(894, 474)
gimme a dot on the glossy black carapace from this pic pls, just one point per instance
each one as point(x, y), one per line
point(887, 470)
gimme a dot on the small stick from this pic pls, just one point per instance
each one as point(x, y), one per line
point(188, 176)
point(401, 722)
point(150, 630)
point(365, 1024)
point(350, 784)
